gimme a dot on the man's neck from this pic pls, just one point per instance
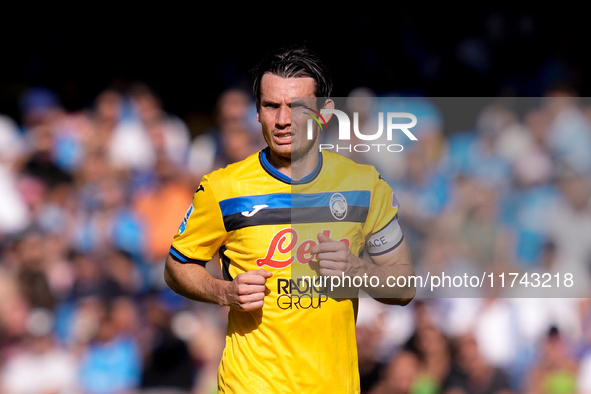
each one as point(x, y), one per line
point(296, 169)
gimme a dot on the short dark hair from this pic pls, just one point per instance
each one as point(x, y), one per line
point(294, 62)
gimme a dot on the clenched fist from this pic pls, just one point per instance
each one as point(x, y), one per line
point(247, 291)
point(335, 258)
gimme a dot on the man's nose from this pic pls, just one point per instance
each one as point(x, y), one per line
point(284, 116)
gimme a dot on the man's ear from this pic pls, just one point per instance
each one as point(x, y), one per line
point(328, 104)
point(258, 103)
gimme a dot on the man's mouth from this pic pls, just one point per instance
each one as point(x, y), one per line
point(282, 138)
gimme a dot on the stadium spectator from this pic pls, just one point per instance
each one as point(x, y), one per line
point(230, 140)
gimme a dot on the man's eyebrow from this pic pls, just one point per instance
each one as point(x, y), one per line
point(267, 101)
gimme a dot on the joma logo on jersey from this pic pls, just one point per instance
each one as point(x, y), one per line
point(279, 254)
point(255, 209)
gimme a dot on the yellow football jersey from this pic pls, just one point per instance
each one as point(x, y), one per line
point(301, 340)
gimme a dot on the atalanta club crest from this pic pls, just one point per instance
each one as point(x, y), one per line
point(338, 206)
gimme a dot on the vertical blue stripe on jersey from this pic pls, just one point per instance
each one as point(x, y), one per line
point(360, 198)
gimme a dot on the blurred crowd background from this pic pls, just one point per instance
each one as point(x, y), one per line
point(102, 148)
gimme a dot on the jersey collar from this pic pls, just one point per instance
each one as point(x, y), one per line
point(263, 158)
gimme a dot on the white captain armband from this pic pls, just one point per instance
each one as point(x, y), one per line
point(385, 240)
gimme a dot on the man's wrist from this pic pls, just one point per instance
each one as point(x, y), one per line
point(224, 293)
point(358, 267)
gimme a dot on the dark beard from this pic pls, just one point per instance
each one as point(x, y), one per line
point(305, 151)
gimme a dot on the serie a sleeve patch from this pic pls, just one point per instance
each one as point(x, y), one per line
point(202, 231)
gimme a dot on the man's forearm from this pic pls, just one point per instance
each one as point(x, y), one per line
point(335, 259)
point(387, 291)
point(194, 282)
